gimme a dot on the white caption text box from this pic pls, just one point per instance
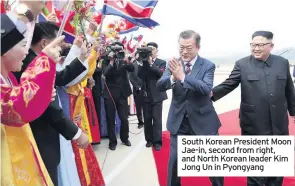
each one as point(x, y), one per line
point(235, 156)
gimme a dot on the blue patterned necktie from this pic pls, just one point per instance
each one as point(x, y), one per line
point(188, 68)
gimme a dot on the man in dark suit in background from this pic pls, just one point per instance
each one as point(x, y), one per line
point(136, 82)
point(267, 94)
point(52, 122)
point(97, 89)
point(115, 93)
point(191, 110)
point(150, 72)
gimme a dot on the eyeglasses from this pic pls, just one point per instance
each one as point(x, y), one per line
point(259, 45)
point(188, 49)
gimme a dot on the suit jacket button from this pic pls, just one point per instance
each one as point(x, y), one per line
point(2, 31)
point(272, 106)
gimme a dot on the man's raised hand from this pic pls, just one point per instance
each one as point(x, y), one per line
point(53, 50)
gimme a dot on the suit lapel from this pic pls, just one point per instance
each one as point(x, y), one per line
point(197, 66)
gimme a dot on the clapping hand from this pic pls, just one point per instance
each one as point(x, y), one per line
point(176, 69)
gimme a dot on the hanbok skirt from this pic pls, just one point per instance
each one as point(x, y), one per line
point(87, 165)
point(67, 169)
point(92, 116)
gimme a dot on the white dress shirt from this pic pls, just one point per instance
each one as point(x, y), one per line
point(192, 62)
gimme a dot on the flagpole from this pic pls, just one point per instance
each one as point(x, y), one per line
point(101, 23)
point(102, 19)
point(65, 18)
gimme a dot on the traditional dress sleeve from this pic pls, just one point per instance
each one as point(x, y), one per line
point(92, 66)
point(92, 62)
point(27, 101)
point(78, 87)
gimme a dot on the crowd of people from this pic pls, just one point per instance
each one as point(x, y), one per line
point(57, 98)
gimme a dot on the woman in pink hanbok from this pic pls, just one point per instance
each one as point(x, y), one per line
point(21, 162)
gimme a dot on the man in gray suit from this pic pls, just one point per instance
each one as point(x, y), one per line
point(267, 93)
point(191, 110)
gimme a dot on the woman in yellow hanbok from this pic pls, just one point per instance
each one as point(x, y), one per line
point(87, 164)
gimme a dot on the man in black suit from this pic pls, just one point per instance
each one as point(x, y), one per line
point(191, 111)
point(136, 82)
point(116, 92)
point(267, 94)
point(97, 89)
point(52, 122)
point(150, 72)
point(13, 23)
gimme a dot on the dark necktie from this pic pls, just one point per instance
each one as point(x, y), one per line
point(188, 68)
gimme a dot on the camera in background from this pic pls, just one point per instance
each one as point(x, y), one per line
point(144, 53)
point(118, 52)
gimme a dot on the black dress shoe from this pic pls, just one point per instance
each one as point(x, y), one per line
point(127, 143)
point(149, 144)
point(112, 147)
point(157, 147)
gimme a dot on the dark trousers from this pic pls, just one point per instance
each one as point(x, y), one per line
point(97, 103)
point(138, 98)
point(122, 109)
point(265, 181)
point(152, 113)
point(173, 179)
point(52, 171)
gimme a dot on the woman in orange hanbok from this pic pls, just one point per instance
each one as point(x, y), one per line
point(87, 165)
point(21, 163)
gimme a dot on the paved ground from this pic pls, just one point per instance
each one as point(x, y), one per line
point(135, 166)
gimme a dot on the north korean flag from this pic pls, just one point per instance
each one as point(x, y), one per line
point(137, 12)
point(126, 26)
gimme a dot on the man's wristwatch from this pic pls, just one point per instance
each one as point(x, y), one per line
point(23, 9)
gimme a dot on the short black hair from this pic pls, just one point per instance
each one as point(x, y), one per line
point(267, 34)
point(187, 34)
point(152, 44)
point(117, 43)
point(44, 30)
